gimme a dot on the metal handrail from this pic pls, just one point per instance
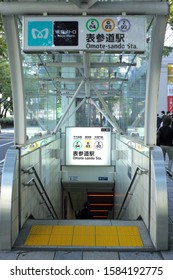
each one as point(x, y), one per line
point(43, 192)
point(139, 171)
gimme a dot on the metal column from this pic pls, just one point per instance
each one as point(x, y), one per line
point(14, 53)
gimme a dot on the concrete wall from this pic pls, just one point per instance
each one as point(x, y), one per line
point(132, 156)
point(18, 201)
point(47, 164)
point(148, 196)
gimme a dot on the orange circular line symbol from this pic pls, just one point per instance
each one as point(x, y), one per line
point(108, 24)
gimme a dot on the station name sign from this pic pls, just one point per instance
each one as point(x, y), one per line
point(88, 146)
point(108, 33)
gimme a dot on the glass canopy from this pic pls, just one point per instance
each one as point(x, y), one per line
point(117, 83)
point(84, 87)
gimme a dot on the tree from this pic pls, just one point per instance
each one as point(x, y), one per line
point(167, 50)
point(170, 17)
point(5, 81)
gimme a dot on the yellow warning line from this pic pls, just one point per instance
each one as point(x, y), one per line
point(87, 236)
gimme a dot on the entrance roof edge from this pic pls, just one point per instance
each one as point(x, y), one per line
point(100, 8)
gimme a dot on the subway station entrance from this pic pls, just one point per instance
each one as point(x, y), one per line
point(85, 78)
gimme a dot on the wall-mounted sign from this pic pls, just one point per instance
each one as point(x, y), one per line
point(111, 33)
point(88, 146)
point(35, 145)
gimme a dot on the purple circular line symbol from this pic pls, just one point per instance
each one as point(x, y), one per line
point(124, 25)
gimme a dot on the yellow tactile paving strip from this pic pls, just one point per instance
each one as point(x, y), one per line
point(86, 236)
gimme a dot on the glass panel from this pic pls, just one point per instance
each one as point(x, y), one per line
point(41, 96)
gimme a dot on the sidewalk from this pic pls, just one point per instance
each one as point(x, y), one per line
point(7, 130)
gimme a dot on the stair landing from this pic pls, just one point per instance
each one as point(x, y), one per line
point(84, 234)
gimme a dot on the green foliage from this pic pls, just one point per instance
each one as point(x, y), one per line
point(5, 80)
point(167, 50)
point(3, 46)
point(170, 17)
point(7, 122)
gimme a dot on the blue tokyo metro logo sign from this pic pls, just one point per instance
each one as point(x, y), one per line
point(49, 33)
point(40, 33)
point(85, 33)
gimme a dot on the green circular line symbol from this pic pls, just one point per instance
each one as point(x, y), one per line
point(92, 25)
point(77, 145)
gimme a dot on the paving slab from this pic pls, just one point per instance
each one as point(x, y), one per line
point(68, 255)
point(36, 255)
point(167, 255)
point(9, 255)
point(140, 256)
point(93, 255)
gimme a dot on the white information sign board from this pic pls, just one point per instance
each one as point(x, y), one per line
point(88, 146)
point(104, 33)
point(170, 90)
